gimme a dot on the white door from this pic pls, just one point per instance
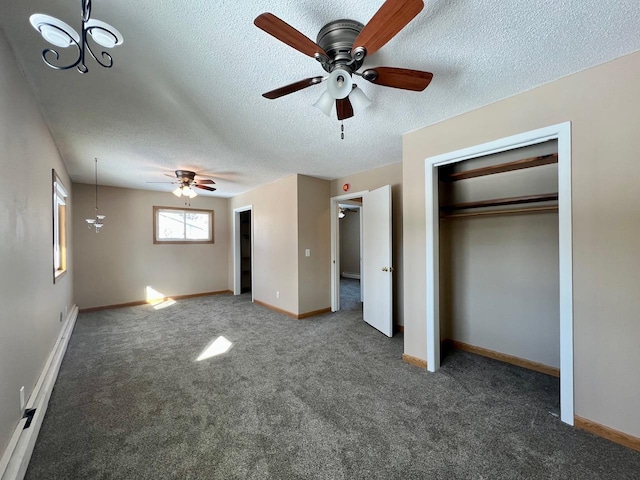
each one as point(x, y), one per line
point(376, 255)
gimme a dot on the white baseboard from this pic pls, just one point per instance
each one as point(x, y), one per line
point(15, 460)
point(351, 275)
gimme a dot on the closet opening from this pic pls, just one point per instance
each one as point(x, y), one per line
point(243, 250)
point(499, 255)
point(499, 278)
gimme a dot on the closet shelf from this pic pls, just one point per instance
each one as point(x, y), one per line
point(496, 202)
point(504, 167)
point(512, 211)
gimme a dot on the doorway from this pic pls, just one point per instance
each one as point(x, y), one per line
point(243, 250)
point(561, 133)
point(336, 267)
point(350, 257)
point(376, 273)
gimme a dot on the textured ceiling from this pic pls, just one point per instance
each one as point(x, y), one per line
point(185, 89)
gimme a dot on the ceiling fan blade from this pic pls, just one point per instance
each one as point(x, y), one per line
point(162, 182)
point(392, 17)
point(404, 78)
point(169, 175)
point(206, 182)
point(344, 108)
point(293, 87)
point(287, 34)
point(203, 187)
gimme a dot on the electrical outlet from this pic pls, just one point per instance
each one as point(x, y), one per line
point(22, 403)
point(277, 294)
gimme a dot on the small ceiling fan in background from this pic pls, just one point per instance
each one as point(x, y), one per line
point(341, 48)
point(185, 179)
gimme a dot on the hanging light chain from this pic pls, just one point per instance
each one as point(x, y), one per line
point(96, 222)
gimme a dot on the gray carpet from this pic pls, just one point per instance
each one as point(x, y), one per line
point(322, 398)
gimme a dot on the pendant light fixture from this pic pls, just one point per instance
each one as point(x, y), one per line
point(98, 221)
point(62, 35)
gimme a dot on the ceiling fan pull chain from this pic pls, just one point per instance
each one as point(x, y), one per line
point(342, 130)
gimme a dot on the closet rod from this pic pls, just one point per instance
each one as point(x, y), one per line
point(497, 202)
point(552, 208)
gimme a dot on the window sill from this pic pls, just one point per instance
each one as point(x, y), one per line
point(182, 242)
point(58, 274)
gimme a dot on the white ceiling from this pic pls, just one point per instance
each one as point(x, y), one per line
point(185, 89)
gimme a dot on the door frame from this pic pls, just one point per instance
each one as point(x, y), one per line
point(562, 133)
point(335, 246)
point(237, 261)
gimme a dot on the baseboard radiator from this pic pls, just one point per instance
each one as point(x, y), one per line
point(15, 460)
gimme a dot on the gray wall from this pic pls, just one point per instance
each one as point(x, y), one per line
point(116, 265)
point(499, 274)
point(31, 302)
point(350, 242)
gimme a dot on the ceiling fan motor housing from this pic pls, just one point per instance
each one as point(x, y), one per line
point(186, 177)
point(336, 38)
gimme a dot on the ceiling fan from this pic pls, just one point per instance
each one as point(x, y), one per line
point(341, 48)
point(186, 181)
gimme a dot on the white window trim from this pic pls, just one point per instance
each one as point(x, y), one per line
point(156, 225)
point(59, 199)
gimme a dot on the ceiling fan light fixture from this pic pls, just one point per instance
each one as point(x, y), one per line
point(189, 192)
point(339, 83)
point(325, 103)
point(178, 191)
point(359, 101)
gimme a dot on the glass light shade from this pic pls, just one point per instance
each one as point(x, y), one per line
point(54, 31)
point(100, 217)
point(359, 101)
point(103, 38)
point(325, 103)
point(91, 221)
point(103, 33)
point(178, 191)
point(55, 36)
point(188, 192)
point(339, 83)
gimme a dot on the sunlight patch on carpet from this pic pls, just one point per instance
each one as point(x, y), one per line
point(157, 299)
point(217, 347)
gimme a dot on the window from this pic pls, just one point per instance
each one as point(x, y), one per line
point(182, 225)
point(59, 227)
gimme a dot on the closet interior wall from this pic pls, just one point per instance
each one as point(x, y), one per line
point(499, 274)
